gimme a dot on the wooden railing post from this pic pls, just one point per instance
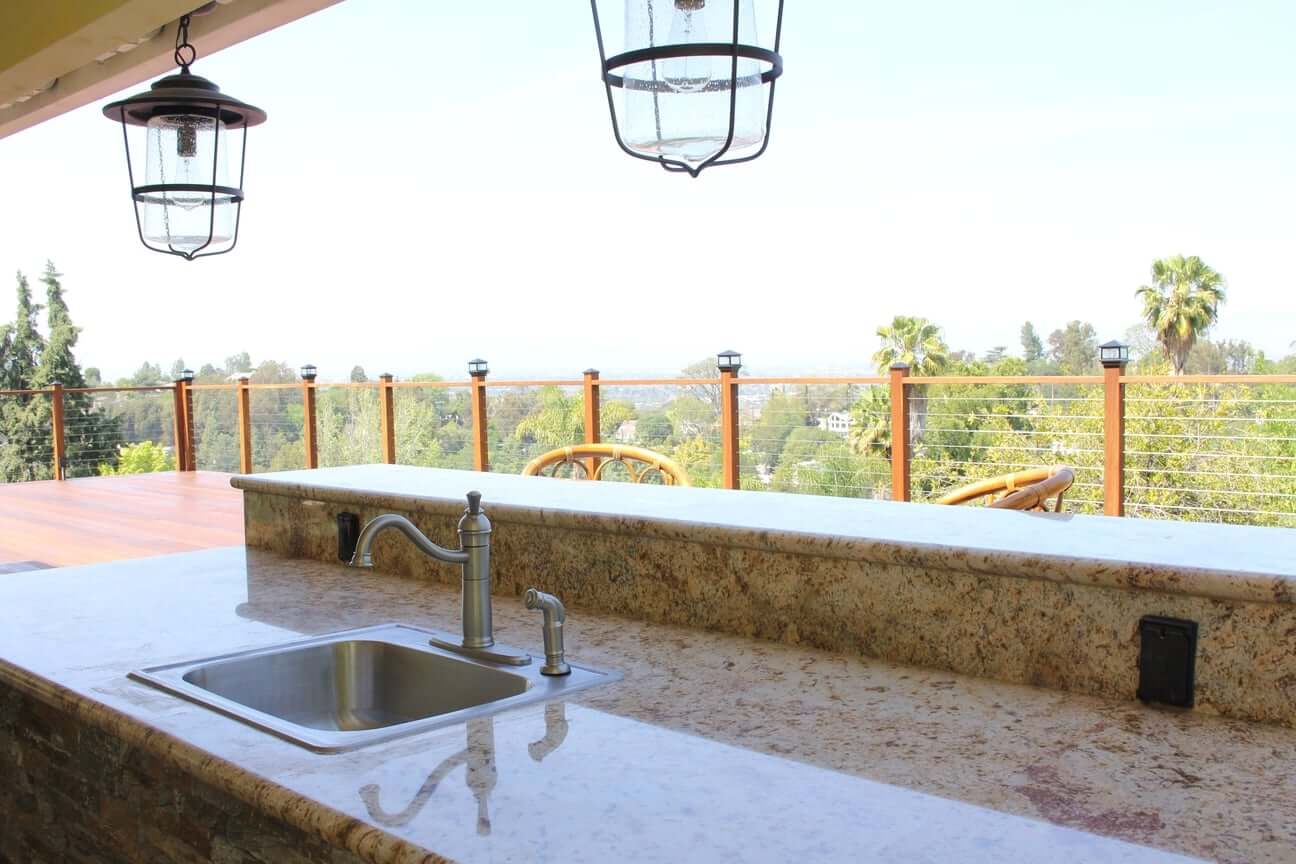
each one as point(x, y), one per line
point(244, 394)
point(181, 448)
point(58, 432)
point(191, 425)
point(245, 425)
point(387, 408)
point(729, 362)
point(593, 418)
point(1113, 437)
point(477, 371)
point(310, 423)
point(899, 433)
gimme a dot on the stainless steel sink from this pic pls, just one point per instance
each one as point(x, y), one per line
point(348, 689)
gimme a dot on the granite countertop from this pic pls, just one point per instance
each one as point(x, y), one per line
point(712, 747)
point(1230, 562)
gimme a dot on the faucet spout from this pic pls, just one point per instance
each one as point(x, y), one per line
point(473, 556)
point(379, 524)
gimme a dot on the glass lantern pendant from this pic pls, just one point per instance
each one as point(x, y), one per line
point(195, 143)
point(696, 85)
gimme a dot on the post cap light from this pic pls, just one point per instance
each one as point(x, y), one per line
point(308, 372)
point(192, 191)
point(187, 375)
point(693, 79)
point(728, 361)
point(1113, 353)
point(477, 367)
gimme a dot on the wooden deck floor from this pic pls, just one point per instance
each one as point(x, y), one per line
point(112, 518)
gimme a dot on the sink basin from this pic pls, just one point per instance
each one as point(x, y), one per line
point(357, 687)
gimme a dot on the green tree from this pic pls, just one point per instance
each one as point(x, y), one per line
point(653, 429)
point(510, 408)
point(612, 414)
point(89, 434)
point(144, 457)
point(238, 364)
point(708, 393)
point(147, 375)
point(818, 462)
point(917, 343)
point(1074, 348)
point(1032, 347)
point(24, 420)
point(559, 422)
point(783, 414)
point(25, 343)
point(358, 375)
point(690, 415)
point(56, 362)
point(1181, 304)
point(871, 433)
point(1206, 358)
point(1239, 357)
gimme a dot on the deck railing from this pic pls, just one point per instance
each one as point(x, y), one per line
point(1217, 447)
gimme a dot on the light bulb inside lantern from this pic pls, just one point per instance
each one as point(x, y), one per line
point(186, 139)
point(189, 151)
point(688, 27)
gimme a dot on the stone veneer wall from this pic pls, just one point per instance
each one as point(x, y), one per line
point(72, 792)
point(1050, 633)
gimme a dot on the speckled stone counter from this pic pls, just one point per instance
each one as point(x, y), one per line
point(1043, 599)
point(713, 747)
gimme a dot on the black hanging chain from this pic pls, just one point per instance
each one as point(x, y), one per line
point(183, 48)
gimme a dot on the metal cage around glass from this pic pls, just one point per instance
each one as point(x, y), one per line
point(194, 149)
point(693, 79)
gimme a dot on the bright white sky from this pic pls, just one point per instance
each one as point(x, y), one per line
point(438, 181)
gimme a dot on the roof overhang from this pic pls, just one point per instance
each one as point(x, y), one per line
point(57, 55)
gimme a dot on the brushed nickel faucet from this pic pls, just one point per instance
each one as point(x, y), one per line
point(473, 555)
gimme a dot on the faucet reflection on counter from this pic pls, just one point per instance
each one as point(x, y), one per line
point(481, 775)
point(555, 732)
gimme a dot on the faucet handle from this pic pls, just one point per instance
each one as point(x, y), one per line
point(474, 503)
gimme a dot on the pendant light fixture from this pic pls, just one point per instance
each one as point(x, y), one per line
point(696, 85)
point(192, 194)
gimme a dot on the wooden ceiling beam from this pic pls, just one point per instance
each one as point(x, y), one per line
point(76, 61)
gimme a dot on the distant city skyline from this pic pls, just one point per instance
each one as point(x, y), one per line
point(449, 185)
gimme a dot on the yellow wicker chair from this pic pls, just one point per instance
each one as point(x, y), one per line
point(639, 462)
point(1024, 490)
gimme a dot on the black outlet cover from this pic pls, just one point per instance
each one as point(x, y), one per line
point(348, 535)
point(1167, 660)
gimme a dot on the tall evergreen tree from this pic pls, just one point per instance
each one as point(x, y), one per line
point(24, 420)
point(56, 362)
point(90, 437)
point(1032, 346)
point(25, 342)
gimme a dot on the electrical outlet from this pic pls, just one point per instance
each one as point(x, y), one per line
point(348, 535)
point(1167, 660)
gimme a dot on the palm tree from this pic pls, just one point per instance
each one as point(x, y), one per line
point(917, 343)
point(1181, 304)
point(871, 432)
